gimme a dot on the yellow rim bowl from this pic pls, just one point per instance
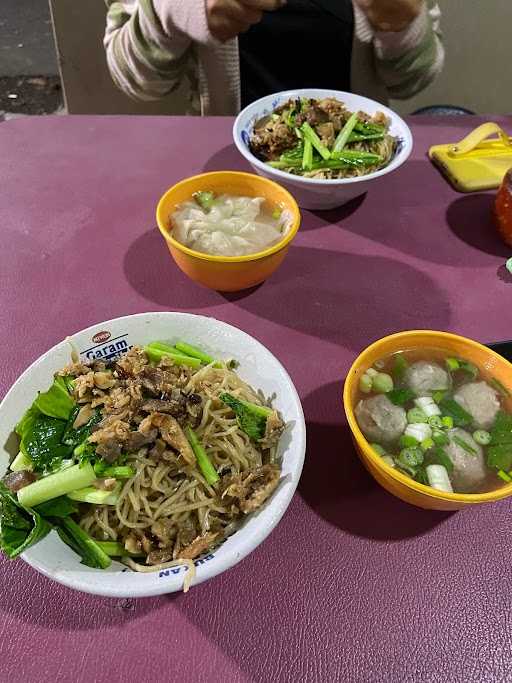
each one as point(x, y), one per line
point(227, 273)
point(393, 481)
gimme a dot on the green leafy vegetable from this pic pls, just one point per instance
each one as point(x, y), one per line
point(58, 507)
point(77, 539)
point(452, 409)
point(438, 456)
point(56, 402)
point(194, 352)
point(251, 418)
point(204, 199)
point(499, 451)
point(400, 396)
point(42, 443)
point(73, 437)
point(400, 366)
point(20, 527)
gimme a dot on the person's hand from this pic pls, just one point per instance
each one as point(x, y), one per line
point(390, 15)
point(228, 18)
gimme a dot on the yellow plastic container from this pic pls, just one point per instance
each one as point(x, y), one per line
point(476, 162)
point(393, 481)
point(227, 273)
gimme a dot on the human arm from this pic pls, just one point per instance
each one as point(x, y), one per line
point(407, 44)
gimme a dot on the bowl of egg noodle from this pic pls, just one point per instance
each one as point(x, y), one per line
point(168, 496)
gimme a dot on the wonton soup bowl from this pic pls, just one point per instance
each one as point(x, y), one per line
point(391, 479)
point(227, 273)
point(105, 340)
point(317, 193)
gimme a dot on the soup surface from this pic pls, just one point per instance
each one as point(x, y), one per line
point(439, 419)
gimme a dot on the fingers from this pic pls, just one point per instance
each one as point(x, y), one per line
point(264, 5)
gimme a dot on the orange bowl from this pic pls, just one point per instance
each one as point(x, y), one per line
point(227, 273)
point(392, 480)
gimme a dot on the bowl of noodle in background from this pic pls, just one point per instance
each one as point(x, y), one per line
point(106, 340)
point(314, 193)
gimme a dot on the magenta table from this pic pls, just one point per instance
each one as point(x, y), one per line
point(353, 585)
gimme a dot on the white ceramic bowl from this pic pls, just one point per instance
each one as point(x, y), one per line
point(311, 193)
point(107, 339)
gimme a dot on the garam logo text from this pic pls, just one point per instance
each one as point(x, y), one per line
point(101, 337)
point(108, 348)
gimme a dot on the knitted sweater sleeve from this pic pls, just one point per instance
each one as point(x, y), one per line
point(406, 61)
point(149, 43)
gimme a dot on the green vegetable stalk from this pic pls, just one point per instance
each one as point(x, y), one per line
point(206, 467)
point(156, 353)
point(58, 484)
point(309, 134)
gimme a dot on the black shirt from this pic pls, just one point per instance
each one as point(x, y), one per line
point(306, 44)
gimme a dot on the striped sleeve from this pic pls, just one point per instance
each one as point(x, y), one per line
point(409, 60)
point(148, 44)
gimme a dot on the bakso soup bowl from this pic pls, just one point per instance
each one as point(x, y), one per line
point(313, 193)
point(105, 341)
point(227, 273)
point(400, 485)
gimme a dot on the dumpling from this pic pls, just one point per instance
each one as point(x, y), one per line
point(469, 471)
point(480, 401)
point(424, 377)
point(380, 420)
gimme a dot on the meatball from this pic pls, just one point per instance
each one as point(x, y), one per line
point(480, 401)
point(469, 472)
point(424, 377)
point(380, 420)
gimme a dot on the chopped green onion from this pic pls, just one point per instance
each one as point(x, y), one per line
point(469, 368)
point(419, 430)
point(416, 415)
point(452, 364)
point(508, 265)
point(204, 199)
point(382, 383)
point(435, 421)
point(410, 457)
point(276, 214)
point(371, 372)
point(427, 444)
point(378, 448)
point(407, 441)
point(503, 475)
point(438, 478)
point(482, 437)
point(440, 438)
point(439, 395)
point(447, 422)
point(464, 445)
point(365, 383)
